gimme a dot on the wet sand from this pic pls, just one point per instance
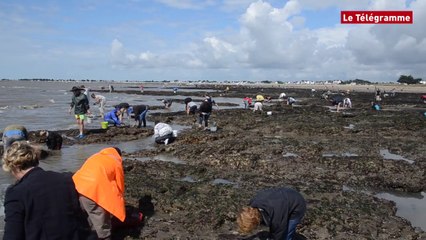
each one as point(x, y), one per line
point(307, 147)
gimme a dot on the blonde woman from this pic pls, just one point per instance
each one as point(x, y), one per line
point(41, 204)
point(281, 209)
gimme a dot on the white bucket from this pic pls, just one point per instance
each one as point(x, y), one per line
point(175, 133)
point(269, 113)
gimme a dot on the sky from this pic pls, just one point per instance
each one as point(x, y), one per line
point(216, 40)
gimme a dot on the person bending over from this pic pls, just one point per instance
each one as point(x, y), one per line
point(53, 139)
point(101, 101)
point(205, 111)
point(100, 184)
point(139, 112)
point(167, 103)
point(281, 209)
point(123, 108)
point(13, 133)
point(163, 133)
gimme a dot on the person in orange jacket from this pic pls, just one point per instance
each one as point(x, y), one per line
point(100, 183)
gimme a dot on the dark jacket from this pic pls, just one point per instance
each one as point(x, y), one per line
point(205, 107)
point(187, 100)
point(80, 104)
point(138, 109)
point(278, 206)
point(122, 105)
point(54, 141)
point(337, 99)
point(42, 205)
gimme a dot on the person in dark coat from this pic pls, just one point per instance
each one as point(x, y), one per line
point(281, 209)
point(53, 139)
point(139, 113)
point(205, 111)
point(41, 205)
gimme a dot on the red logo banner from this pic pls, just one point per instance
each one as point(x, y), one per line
point(376, 17)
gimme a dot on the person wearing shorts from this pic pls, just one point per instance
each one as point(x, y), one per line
point(80, 103)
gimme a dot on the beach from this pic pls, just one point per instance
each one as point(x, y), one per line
point(343, 163)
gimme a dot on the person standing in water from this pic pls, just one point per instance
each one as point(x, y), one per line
point(81, 106)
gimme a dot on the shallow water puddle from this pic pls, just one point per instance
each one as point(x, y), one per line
point(411, 206)
point(390, 156)
point(70, 158)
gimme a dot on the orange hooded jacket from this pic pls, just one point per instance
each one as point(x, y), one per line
point(101, 179)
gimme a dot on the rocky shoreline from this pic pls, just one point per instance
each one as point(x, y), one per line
point(320, 153)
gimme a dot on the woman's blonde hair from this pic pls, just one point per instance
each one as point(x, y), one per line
point(20, 156)
point(248, 219)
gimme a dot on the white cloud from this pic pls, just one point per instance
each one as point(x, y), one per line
point(268, 45)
